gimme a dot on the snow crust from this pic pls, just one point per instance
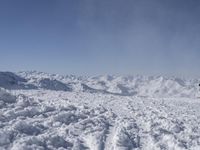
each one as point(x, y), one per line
point(44, 111)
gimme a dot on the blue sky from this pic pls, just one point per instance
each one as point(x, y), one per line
point(91, 37)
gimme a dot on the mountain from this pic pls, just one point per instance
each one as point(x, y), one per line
point(143, 86)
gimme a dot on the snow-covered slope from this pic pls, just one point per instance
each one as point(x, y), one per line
point(145, 86)
point(10, 80)
point(98, 113)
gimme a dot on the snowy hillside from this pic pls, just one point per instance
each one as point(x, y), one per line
point(143, 86)
point(40, 111)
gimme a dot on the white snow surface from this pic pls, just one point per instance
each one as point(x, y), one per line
point(40, 111)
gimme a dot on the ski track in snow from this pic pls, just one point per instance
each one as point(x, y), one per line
point(64, 120)
point(39, 119)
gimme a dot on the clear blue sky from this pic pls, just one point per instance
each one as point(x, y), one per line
point(91, 37)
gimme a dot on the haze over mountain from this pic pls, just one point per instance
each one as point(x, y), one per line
point(95, 37)
point(122, 75)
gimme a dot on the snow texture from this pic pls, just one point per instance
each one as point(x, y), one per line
point(95, 113)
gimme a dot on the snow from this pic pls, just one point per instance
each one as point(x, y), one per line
point(96, 113)
point(53, 85)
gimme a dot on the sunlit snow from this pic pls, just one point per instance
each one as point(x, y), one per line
point(40, 111)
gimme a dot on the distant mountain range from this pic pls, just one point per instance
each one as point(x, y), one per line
point(144, 86)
